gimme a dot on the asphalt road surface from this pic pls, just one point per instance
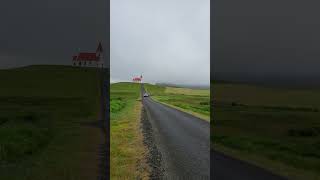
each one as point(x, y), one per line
point(182, 139)
point(227, 168)
point(184, 143)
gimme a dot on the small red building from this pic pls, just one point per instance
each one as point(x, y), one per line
point(137, 79)
point(89, 59)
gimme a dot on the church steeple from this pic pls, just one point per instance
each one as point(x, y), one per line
point(99, 49)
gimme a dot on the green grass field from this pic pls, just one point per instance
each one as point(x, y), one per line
point(127, 151)
point(275, 128)
point(193, 101)
point(43, 116)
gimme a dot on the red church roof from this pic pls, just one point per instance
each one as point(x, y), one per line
point(86, 57)
point(136, 79)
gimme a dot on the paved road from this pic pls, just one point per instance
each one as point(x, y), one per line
point(182, 139)
point(227, 168)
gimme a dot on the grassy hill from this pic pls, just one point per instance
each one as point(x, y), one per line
point(193, 101)
point(276, 128)
point(43, 115)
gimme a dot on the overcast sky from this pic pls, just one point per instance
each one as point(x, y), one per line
point(168, 40)
point(49, 31)
point(266, 39)
point(164, 40)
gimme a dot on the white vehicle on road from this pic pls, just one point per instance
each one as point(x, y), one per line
point(145, 95)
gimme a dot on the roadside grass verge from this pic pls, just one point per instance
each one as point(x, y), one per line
point(42, 136)
point(127, 151)
point(276, 129)
point(187, 91)
point(192, 101)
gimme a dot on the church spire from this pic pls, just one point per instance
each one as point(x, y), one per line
point(99, 49)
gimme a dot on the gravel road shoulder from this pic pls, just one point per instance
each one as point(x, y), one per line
point(154, 157)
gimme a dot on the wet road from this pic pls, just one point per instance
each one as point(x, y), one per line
point(227, 168)
point(182, 139)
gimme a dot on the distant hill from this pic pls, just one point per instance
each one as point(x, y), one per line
point(271, 81)
point(184, 86)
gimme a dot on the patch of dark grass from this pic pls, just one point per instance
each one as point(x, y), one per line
point(199, 104)
point(27, 126)
point(117, 104)
point(3, 120)
point(41, 134)
point(30, 117)
point(317, 144)
point(19, 139)
point(278, 135)
point(286, 108)
point(281, 125)
point(304, 132)
point(204, 103)
point(262, 107)
point(293, 154)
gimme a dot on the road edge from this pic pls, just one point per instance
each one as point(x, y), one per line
point(278, 169)
point(183, 110)
point(154, 156)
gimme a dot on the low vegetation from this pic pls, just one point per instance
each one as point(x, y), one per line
point(275, 128)
point(43, 112)
point(127, 151)
point(193, 101)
